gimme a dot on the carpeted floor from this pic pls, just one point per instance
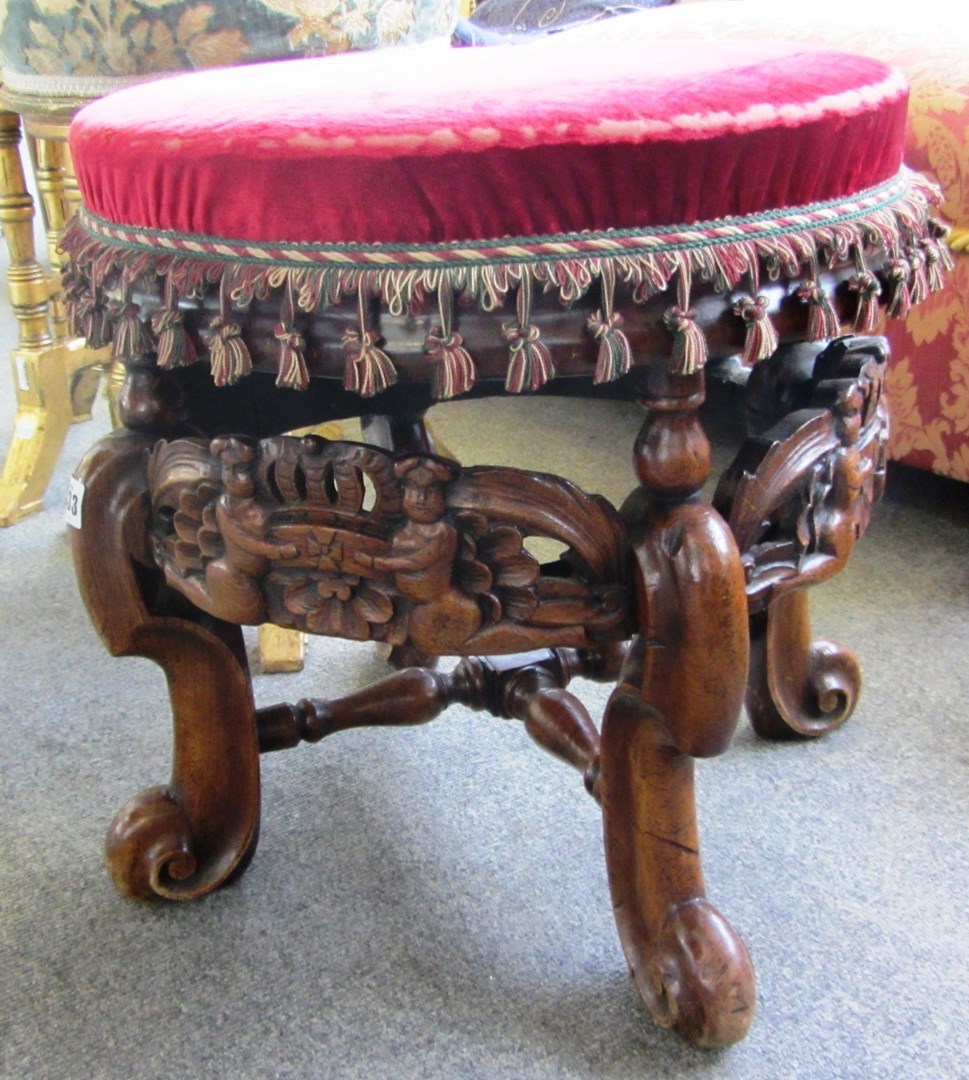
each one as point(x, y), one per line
point(432, 902)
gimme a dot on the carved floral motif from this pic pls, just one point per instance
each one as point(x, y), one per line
point(346, 540)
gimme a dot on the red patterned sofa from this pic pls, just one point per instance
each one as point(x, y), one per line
point(929, 373)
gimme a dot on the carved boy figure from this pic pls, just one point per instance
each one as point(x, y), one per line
point(422, 555)
point(234, 581)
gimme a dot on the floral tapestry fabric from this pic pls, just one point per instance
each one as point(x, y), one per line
point(132, 38)
point(928, 378)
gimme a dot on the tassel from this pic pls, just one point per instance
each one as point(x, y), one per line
point(689, 344)
point(615, 356)
point(900, 303)
point(761, 340)
point(368, 370)
point(937, 259)
point(920, 277)
point(228, 355)
point(530, 363)
point(130, 335)
point(453, 370)
point(89, 320)
point(823, 322)
point(292, 364)
point(175, 347)
point(866, 285)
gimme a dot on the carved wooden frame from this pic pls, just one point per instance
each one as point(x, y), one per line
point(186, 538)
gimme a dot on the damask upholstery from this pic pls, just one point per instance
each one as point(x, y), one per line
point(929, 371)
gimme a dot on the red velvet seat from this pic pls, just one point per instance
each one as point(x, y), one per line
point(378, 232)
point(487, 143)
point(488, 161)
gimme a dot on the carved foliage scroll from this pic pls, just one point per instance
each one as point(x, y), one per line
point(799, 496)
point(347, 540)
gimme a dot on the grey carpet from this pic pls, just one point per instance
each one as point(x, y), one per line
point(432, 902)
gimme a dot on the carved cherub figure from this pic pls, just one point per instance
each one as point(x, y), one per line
point(837, 512)
point(422, 557)
point(233, 580)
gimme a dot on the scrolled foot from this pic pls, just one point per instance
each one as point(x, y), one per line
point(698, 978)
point(823, 703)
point(148, 848)
point(152, 853)
point(798, 688)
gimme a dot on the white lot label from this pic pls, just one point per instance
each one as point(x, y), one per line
point(23, 382)
point(75, 502)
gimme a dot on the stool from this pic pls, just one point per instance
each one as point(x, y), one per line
point(371, 235)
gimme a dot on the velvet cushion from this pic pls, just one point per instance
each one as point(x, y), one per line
point(425, 186)
point(472, 144)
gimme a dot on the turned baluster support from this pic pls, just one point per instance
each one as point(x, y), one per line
point(59, 199)
point(528, 687)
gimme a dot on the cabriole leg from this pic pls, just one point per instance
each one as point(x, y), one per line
point(184, 839)
point(679, 697)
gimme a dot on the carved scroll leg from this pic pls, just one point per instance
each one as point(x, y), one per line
point(186, 838)
point(679, 697)
point(797, 687)
point(798, 497)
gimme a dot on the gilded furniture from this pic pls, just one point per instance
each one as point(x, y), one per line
point(55, 376)
point(370, 236)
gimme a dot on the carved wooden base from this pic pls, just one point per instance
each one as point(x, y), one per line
point(686, 605)
point(185, 839)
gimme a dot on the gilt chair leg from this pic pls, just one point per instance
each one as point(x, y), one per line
point(59, 199)
point(50, 376)
point(281, 650)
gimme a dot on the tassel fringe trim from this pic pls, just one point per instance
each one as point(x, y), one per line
point(892, 220)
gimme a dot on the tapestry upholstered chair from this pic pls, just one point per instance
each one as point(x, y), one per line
point(57, 57)
point(371, 235)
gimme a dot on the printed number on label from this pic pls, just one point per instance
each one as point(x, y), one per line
point(75, 502)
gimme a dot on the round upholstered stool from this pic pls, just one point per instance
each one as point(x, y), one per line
point(372, 234)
